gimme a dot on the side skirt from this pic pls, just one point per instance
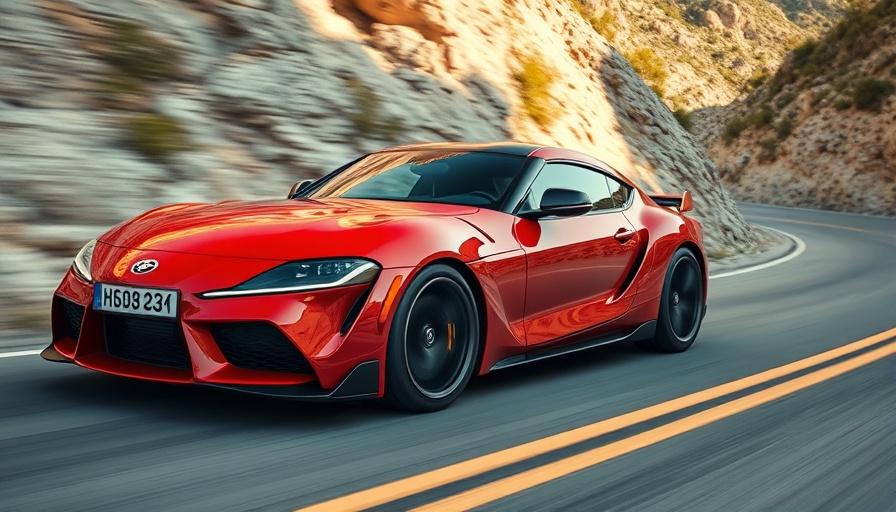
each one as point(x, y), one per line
point(644, 331)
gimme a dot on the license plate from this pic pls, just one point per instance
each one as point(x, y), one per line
point(136, 301)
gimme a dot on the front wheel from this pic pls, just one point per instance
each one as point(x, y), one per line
point(433, 341)
point(681, 305)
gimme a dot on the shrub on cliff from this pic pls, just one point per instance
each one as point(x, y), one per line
point(156, 136)
point(139, 54)
point(684, 118)
point(761, 117)
point(784, 128)
point(870, 93)
point(734, 128)
point(368, 117)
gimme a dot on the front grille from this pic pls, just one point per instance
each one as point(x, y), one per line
point(72, 315)
point(259, 346)
point(153, 341)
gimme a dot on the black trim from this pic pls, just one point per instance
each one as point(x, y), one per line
point(311, 187)
point(519, 188)
point(642, 332)
point(355, 311)
point(362, 382)
point(51, 354)
point(674, 202)
point(633, 271)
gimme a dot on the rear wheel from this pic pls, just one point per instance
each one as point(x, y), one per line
point(433, 341)
point(681, 305)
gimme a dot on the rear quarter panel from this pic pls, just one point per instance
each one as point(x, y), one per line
point(665, 231)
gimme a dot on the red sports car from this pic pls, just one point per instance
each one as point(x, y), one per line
point(397, 276)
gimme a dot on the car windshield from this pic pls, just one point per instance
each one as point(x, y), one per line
point(432, 176)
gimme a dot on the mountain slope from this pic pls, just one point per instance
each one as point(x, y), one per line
point(821, 133)
point(812, 13)
point(700, 53)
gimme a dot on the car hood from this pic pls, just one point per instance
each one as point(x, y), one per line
point(275, 229)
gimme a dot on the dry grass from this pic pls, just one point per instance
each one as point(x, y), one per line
point(651, 69)
point(535, 79)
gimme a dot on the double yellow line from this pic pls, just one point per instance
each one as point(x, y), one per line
point(504, 487)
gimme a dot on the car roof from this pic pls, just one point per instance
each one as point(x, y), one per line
point(509, 148)
point(514, 148)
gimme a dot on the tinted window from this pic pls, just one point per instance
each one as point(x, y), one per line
point(619, 191)
point(469, 178)
point(571, 177)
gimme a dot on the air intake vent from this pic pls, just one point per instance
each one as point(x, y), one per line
point(147, 340)
point(259, 346)
point(72, 315)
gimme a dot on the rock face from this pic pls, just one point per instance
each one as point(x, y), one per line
point(108, 112)
point(712, 21)
point(821, 133)
point(729, 15)
point(415, 14)
point(710, 50)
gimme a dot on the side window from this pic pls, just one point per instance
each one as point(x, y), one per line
point(619, 191)
point(571, 177)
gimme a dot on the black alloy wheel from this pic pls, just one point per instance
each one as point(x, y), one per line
point(681, 305)
point(433, 342)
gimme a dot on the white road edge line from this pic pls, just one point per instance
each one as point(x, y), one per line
point(20, 353)
point(800, 247)
point(814, 210)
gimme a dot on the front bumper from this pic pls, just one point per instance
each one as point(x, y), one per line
point(335, 338)
point(362, 382)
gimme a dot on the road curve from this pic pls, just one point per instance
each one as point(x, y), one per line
point(71, 439)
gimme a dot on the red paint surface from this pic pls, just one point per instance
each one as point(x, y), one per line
point(541, 283)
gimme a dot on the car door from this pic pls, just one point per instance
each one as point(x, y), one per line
point(576, 266)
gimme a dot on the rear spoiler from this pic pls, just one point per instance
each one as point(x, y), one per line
point(683, 203)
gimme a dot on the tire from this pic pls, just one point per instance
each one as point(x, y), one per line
point(681, 305)
point(433, 341)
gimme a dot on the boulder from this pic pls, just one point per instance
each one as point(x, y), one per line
point(410, 13)
point(729, 14)
point(712, 21)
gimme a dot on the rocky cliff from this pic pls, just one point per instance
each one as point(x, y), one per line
point(701, 53)
point(109, 108)
point(821, 132)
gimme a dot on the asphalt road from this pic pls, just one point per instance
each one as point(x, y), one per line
point(71, 439)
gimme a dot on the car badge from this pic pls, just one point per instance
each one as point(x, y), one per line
point(144, 266)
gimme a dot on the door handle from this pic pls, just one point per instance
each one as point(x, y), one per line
point(624, 235)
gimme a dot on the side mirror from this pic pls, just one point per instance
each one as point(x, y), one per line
point(298, 187)
point(562, 202)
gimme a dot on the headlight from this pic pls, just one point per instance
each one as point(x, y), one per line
point(81, 265)
point(300, 276)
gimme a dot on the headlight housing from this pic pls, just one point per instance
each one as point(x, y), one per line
point(297, 276)
point(81, 264)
